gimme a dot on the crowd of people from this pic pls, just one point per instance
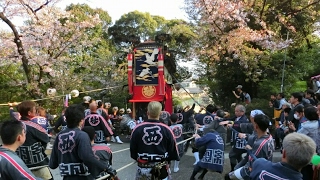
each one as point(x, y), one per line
point(158, 142)
point(71, 152)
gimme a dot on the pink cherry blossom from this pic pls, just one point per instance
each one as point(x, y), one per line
point(46, 40)
point(228, 25)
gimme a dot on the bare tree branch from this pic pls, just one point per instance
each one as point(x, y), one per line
point(64, 48)
point(5, 7)
point(36, 10)
point(262, 9)
point(29, 8)
point(40, 73)
point(303, 8)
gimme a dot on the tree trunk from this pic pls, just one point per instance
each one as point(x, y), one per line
point(19, 44)
point(25, 62)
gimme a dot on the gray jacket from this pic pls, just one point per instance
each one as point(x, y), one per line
point(310, 128)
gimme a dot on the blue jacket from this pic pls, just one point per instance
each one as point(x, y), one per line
point(204, 119)
point(213, 158)
point(72, 153)
point(238, 143)
point(42, 121)
point(32, 152)
point(237, 122)
point(186, 118)
point(264, 169)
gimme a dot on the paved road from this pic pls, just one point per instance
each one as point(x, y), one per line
point(123, 158)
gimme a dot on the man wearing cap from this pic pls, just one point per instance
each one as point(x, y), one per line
point(243, 96)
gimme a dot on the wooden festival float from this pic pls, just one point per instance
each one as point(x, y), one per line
point(150, 66)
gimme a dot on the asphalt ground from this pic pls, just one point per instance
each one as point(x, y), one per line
point(122, 158)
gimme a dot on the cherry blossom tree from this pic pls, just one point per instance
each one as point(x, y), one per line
point(233, 30)
point(238, 38)
point(46, 41)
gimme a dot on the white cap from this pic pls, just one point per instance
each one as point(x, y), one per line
point(255, 112)
point(239, 87)
point(86, 99)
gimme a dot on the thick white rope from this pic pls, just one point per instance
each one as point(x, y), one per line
point(38, 167)
point(120, 150)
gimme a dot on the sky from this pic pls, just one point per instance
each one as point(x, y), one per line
point(169, 9)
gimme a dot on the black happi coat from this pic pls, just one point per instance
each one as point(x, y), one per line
point(60, 122)
point(186, 119)
point(72, 153)
point(265, 169)
point(153, 141)
point(100, 126)
point(32, 152)
point(238, 142)
point(204, 119)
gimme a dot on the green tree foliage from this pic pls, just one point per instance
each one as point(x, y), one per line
point(245, 42)
point(134, 23)
point(99, 55)
point(135, 27)
point(78, 55)
point(145, 27)
point(45, 43)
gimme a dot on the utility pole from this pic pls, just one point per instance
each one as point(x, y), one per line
point(284, 65)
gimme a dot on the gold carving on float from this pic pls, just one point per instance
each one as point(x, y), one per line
point(148, 91)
